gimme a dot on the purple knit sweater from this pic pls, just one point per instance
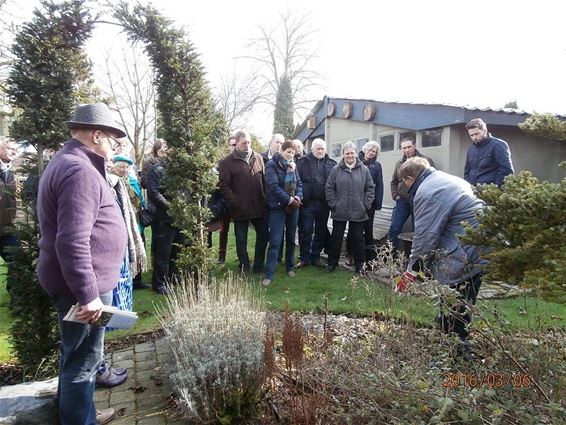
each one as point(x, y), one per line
point(83, 235)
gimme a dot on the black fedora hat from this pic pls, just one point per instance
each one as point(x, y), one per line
point(96, 116)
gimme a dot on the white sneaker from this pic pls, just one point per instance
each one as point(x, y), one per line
point(104, 416)
point(291, 273)
point(266, 282)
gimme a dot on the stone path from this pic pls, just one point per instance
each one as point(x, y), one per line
point(144, 399)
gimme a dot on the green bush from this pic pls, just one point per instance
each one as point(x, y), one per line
point(216, 337)
point(34, 332)
point(525, 224)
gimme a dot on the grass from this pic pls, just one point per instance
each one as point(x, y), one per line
point(5, 322)
point(314, 290)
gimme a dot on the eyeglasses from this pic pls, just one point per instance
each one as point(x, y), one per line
point(114, 143)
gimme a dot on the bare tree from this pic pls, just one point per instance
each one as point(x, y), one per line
point(6, 34)
point(130, 87)
point(235, 98)
point(7, 30)
point(286, 49)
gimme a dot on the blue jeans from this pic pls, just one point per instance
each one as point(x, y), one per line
point(280, 221)
point(315, 220)
point(261, 237)
point(81, 350)
point(401, 213)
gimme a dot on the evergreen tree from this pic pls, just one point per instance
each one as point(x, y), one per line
point(48, 71)
point(524, 224)
point(545, 125)
point(283, 114)
point(42, 85)
point(188, 122)
point(511, 105)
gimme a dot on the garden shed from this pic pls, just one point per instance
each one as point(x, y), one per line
point(439, 131)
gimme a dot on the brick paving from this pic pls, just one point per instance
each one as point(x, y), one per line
point(144, 398)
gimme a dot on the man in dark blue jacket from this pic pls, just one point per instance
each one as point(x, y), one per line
point(488, 159)
point(314, 169)
point(166, 237)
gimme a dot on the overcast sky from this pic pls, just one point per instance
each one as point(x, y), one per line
point(480, 53)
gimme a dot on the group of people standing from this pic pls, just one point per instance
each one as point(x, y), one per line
point(283, 189)
point(91, 245)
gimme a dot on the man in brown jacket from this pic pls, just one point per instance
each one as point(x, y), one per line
point(399, 192)
point(8, 152)
point(242, 183)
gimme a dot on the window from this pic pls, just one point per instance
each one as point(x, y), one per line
point(405, 134)
point(432, 137)
point(336, 150)
point(360, 144)
point(387, 142)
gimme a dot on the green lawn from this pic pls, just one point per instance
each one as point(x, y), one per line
point(314, 290)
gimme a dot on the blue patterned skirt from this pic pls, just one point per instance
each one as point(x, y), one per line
point(122, 295)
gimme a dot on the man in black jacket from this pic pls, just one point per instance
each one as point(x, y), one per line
point(488, 159)
point(165, 236)
point(314, 169)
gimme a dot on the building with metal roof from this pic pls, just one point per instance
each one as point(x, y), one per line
point(439, 131)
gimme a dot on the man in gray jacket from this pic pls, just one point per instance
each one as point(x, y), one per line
point(441, 203)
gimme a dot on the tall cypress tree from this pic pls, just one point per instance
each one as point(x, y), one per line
point(41, 87)
point(50, 64)
point(283, 114)
point(188, 122)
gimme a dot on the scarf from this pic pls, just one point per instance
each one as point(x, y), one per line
point(290, 182)
point(243, 155)
point(135, 185)
point(136, 249)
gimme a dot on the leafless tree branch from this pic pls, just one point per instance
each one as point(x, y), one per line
point(129, 84)
point(285, 49)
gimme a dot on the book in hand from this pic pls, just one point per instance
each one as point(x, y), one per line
point(111, 317)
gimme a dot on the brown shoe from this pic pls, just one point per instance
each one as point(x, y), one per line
point(104, 416)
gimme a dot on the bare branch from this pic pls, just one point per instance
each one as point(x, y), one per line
point(130, 86)
point(285, 49)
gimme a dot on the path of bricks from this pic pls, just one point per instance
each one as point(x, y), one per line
point(144, 398)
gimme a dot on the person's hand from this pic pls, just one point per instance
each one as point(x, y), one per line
point(295, 203)
point(91, 311)
point(404, 282)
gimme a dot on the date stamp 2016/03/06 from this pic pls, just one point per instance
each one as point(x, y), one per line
point(486, 379)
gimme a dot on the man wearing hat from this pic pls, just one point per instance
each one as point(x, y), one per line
point(83, 241)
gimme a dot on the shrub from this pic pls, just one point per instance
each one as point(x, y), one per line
point(386, 373)
point(34, 331)
point(524, 223)
point(216, 334)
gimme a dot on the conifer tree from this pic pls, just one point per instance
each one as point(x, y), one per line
point(188, 122)
point(545, 125)
point(283, 114)
point(50, 63)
